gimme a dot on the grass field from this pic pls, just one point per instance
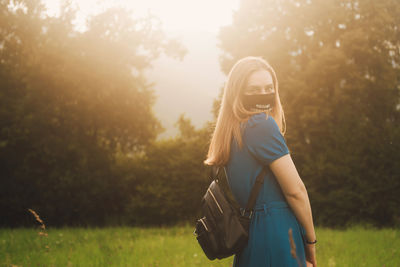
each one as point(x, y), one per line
point(176, 246)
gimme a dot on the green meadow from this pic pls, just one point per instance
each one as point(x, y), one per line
point(176, 246)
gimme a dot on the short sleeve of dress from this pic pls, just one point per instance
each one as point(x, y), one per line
point(264, 139)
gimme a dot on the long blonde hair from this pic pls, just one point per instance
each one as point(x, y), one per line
point(232, 111)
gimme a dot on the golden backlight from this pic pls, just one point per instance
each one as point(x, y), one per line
point(176, 15)
point(195, 24)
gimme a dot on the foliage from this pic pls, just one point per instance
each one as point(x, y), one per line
point(78, 134)
point(69, 100)
point(338, 66)
point(171, 179)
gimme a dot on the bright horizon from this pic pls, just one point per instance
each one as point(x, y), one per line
point(184, 20)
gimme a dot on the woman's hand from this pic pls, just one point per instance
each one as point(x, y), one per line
point(311, 260)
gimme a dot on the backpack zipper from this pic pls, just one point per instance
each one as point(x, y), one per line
point(216, 202)
point(204, 224)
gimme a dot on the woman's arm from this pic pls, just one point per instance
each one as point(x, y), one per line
point(295, 192)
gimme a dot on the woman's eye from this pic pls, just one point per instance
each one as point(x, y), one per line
point(259, 90)
point(250, 91)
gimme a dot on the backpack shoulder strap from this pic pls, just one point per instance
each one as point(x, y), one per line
point(214, 172)
point(255, 190)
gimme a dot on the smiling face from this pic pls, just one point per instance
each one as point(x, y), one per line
point(259, 93)
point(252, 87)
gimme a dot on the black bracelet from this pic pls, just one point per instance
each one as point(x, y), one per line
point(313, 242)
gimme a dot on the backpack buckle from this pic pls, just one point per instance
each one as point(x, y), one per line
point(243, 211)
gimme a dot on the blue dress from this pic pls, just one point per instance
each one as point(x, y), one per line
point(268, 243)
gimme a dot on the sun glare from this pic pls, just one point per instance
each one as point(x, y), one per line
point(176, 15)
point(195, 24)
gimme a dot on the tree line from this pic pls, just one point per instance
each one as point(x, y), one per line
point(78, 135)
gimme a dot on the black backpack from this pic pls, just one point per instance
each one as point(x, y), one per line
point(224, 229)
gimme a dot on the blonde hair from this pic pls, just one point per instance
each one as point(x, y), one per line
point(232, 111)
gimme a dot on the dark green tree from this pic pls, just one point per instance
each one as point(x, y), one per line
point(68, 101)
point(338, 66)
point(173, 178)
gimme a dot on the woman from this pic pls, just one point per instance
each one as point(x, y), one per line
point(248, 137)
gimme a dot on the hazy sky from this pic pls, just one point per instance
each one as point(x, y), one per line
point(189, 86)
point(204, 15)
